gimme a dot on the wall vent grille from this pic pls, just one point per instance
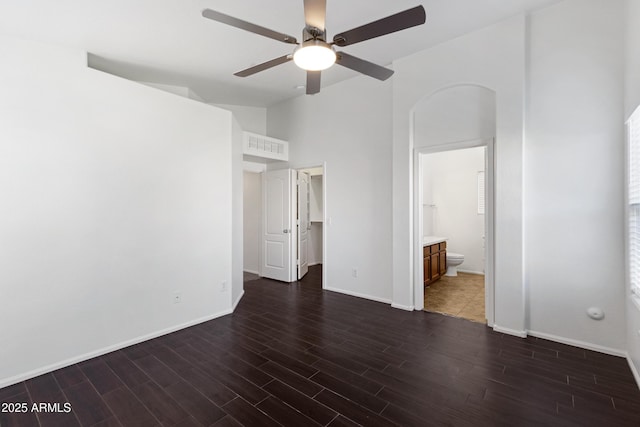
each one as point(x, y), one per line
point(265, 146)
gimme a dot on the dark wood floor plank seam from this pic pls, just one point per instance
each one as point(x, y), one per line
point(66, 400)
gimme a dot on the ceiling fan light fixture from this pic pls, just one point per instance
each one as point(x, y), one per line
point(314, 55)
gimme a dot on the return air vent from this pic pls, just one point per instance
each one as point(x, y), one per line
point(265, 147)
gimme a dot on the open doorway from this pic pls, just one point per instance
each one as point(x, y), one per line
point(454, 225)
point(310, 223)
point(252, 219)
point(455, 117)
point(283, 222)
point(454, 232)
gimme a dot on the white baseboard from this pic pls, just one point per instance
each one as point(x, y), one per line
point(5, 382)
point(356, 294)
point(577, 343)
point(403, 307)
point(311, 264)
point(479, 273)
point(509, 331)
point(252, 272)
point(235, 303)
point(634, 370)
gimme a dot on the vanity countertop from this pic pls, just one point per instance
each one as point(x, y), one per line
point(432, 240)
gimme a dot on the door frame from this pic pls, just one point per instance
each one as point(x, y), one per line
point(300, 265)
point(326, 221)
point(490, 167)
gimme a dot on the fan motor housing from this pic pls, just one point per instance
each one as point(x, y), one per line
point(313, 33)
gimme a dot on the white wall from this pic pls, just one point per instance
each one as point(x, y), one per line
point(348, 125)
point(492, 58)
point(632, 56)
point(632, 101)
point(564, 64)
point(237, 222)
point(115, 195)
point(315, 243)
point(176, 90)
point(451, 184)
point(458, 113)
point(251, 119)
point(573, 172)
point(252, 220)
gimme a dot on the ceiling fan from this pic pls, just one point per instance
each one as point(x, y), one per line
point(314, 53)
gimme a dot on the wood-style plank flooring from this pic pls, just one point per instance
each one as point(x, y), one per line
point(295, 355)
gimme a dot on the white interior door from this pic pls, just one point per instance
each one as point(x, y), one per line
point(303, 224)
point(277, 236)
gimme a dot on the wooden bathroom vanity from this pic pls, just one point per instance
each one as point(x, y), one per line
point(434, 253)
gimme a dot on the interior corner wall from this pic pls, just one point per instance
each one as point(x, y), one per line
point(574, 173)
point(492, 58)
point(251, 119)
point(348, 125)
point(632, 57)
point(237, 239)
point(116, 196)
point(176, 90)
point(632, 101)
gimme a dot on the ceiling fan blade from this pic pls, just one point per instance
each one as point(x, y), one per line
point(313, 82)
point(248, 26)
point(264, 66)
point(400, 21)
point(315, 12)
point(362, 66)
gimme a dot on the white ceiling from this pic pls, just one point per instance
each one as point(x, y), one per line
point(169, 42)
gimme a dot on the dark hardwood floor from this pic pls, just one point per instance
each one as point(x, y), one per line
point(294, 355)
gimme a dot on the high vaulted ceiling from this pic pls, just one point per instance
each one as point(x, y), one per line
point(169, 42)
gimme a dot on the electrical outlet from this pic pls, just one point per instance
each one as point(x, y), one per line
point(177, 297)
point(223, 286)
point(354, 272)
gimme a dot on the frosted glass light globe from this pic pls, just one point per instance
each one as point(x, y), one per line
point(314, 55)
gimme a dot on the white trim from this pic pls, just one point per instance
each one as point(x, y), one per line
point(314, 263)
point(235, 304)
point(581, 344)
point(477, 273)
point(293, 229)
point(251, 271)
point(253, 167)
point(5, 382)
point(359, 295)
point(508, 331)
point(325, 226)
point(634, 370)
point(403, 307)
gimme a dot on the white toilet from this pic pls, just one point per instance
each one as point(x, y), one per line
point(453, 261)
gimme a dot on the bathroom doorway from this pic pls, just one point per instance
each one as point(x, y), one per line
point(454, 216)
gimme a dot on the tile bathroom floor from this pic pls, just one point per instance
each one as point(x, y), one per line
point(460, 296)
